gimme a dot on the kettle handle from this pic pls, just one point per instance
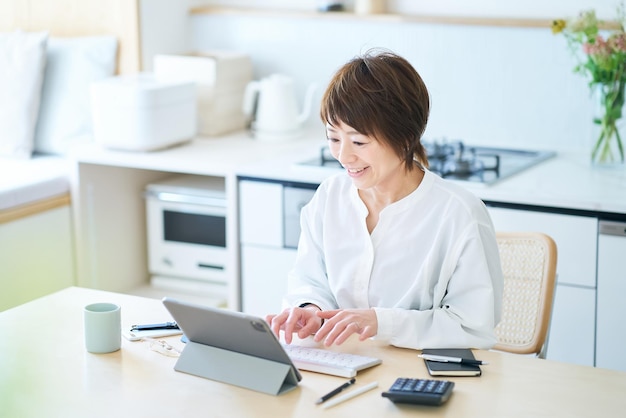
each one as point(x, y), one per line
point(308, 103)
point(251, 98)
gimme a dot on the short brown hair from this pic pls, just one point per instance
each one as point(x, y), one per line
point(381, 95)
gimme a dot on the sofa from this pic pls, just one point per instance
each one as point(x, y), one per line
point(44, 113)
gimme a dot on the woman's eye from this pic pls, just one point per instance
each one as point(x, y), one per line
point(332, 139)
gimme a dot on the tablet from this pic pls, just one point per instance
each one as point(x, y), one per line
point(230, 332)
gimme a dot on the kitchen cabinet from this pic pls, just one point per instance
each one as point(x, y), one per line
point(575, 236)
point(111, 225)
point(109, 207)
point(572, 330)
point(269, 214)
point(263, 260)
point(261, 213)
point(264, 273)
point(611, 332)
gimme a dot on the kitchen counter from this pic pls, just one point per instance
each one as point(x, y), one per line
point(566, 181)
point(211, 156)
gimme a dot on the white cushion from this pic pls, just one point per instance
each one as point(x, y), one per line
point(22, 62)
point(72, 65)
point(28, 181)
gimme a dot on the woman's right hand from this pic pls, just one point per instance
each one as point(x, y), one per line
point(303, 321)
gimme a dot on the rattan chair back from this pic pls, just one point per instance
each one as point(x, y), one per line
point(529, 267)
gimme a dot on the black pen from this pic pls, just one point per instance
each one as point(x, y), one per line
point(336, 391)
point(147, 327)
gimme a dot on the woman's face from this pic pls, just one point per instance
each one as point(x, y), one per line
point(369, 162)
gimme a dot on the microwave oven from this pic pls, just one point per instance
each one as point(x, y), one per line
point(186, 227)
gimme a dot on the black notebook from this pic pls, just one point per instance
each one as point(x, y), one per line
point(436, 368)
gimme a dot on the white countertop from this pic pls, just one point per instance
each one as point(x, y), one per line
point(216, 156)
point(566, 181)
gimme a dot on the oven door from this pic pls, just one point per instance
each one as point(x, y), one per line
point(187, 237)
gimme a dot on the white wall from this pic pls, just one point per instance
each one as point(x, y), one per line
point(488, 84)
point(511, 86)
point(164, 28)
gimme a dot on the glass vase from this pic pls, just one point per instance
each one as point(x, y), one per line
point(608, 133)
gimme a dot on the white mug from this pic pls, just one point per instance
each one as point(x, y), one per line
point(103, 328)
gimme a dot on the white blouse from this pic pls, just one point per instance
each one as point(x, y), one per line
point(430, 268)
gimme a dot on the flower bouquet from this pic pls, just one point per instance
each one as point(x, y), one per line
point(601, 55)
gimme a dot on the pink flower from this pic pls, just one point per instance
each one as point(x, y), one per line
point(617, 42)
point(599, 47)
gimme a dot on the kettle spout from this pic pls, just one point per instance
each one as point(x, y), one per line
point(308, 104)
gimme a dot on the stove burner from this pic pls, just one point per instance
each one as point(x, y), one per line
point(456, 161)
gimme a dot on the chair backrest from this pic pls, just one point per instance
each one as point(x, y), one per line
point(529, 267)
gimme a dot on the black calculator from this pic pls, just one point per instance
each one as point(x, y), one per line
point(419, 391)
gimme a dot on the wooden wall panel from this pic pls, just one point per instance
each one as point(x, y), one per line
point(66, 18)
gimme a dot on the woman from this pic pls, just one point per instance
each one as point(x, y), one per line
point(389, 250)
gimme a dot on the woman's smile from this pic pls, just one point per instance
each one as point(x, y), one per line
point(353, 172)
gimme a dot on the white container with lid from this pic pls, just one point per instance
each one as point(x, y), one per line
point(140, 113)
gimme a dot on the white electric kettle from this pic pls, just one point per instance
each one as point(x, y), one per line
point(271, 105)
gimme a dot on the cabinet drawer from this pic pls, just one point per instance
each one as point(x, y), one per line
point(572, 331)
point(611, 332)
point(575, 236)
point(264, 278)
point(261, 213)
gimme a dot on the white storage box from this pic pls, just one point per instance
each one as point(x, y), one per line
point(140, 113)
point(221, 78)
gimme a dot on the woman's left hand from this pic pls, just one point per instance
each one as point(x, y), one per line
point(340, 324)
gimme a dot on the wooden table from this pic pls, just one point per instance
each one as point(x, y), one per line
point(45, 371)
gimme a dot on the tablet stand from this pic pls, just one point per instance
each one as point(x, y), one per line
point(237, 369)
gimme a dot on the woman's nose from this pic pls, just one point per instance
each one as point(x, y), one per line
point(345, 155)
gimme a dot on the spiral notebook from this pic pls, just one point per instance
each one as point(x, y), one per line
point(436, 368)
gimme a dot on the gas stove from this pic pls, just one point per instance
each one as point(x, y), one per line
point(456, 161)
